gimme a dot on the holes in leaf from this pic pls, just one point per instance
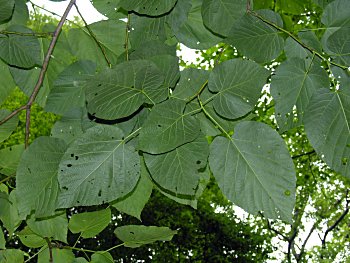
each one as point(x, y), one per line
point(76, 158)
point(159, 126)
point(69, 165)
point(29, 170)
point(99, 85)
point(132, 233)
point(78, 202)
point(72, 155)
point(65, 188)
point(198, 162)
point(344, 161)
point(96, 94)
point(99, 193)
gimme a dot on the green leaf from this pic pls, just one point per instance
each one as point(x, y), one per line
point(20, 13)
point(107, 8)
point(178, 15)
point(58, 256)
point(55, 227)
point(219, 16)
point(6, 10)
point(11, 256)
point(327, 125)
point(336, 14)
point(134, 204)
point(138, 235)
point(193, 33)
point(146, 29)
point(101, 257)
point(120, 91)
point(255, 39)
point(81, 260)
point(38, 170)
point(7, 83)
point(178, 171)
point(30, 239)
point(26, 81)
point(68, 91)
point(99, 163)
point(20, 51)
point(292, 7)
point(293, 84)
point(8, 127)
point(238, 84)
point(90, 224)
point(110, 33)
point(167, 128)
point(339, 44)
point(254, 170)
point(72, 125)
point(9, 212)
point(9, 159)
point(169, 66)
point(148, 7)
point(2, 239)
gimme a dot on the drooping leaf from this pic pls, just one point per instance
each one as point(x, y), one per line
point(30, 239)
point(8, 127)
point(99, 163)
point(238, 84)
point(58, 255)
point(327, 125)
point(9, 159)
point(219, 16)
point(68, 90)
point(255, 39)
point(6, 10)
point(9, 211)
point(101, 257)
point(38, 170)
point(193, 33)
point(20, 51)
point(55, 227)
point(11, 256)
point(134, 204)
point(148, 7)
point(120, 91)
point(178, 171)
point(90, 224)
point(293, 84)
point(254, 170)
point(167, 127)
point(138, 235)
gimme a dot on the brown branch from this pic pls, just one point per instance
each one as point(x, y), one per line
point(13, 114)
point(94, 36)
point(299, 256)
point(44, 69)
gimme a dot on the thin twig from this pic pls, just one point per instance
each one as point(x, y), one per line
point(35, 34)
point(302, 250)
point(13, 114)
point(44, 69)
point(94, 37)
point(303, 154)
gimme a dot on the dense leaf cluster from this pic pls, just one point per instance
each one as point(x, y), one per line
point(132, 121)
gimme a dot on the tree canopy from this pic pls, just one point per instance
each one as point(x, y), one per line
point(264, 116)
